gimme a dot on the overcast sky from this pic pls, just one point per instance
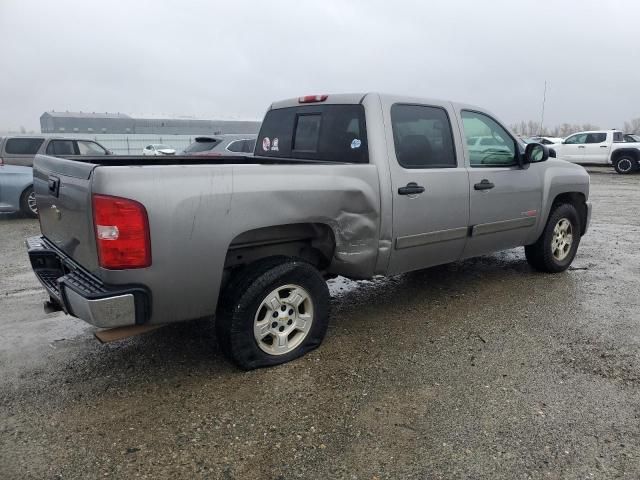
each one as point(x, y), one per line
point(231, 59)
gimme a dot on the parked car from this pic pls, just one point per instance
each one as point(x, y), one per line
point(222, 145)
point(326, 194)
point(16, 190)
point(158, 149)
point(631, 138)
point(21, 150)
point(603, 147)
point(544, 140)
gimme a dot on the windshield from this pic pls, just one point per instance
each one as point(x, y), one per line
point(162, 147)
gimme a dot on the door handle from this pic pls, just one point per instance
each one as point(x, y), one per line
point(412, 188)
point(580, 146)
point(603, 146)
point(484, 185)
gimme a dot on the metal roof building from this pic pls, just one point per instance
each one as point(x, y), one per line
point(121, 123)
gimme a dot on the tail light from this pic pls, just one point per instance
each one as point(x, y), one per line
point(1, 161)
point(122, 233)
point(312, 98)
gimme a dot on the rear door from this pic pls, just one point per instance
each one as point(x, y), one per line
point(573, 148)
point(504, 199)
point(430, 186)
point(21, 150)
point(598, 147)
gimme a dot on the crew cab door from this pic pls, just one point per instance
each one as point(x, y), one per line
point(573, 148)
point(504, 199)
point(598, 147)
point(430, 186)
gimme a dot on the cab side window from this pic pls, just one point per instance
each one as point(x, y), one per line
point(496, 148)
point(422, 137)
point(577, 139)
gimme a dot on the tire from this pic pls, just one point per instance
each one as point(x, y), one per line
point(254, 332)
point(625, 164)
point(27, 203)
point(550, 252)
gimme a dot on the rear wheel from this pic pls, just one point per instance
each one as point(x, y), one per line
point(625, 164)
point(556, 248)
point(272, 312)
point(28, 205)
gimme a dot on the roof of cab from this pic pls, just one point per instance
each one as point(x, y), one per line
point(338, 98)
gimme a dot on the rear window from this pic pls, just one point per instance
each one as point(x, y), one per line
point(242, 146)
point(334, 133)
point(23, 146)
point(202, 145)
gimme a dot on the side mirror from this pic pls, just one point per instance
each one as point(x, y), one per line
point(535, 153)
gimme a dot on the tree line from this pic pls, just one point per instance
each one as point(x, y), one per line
point(533, 128)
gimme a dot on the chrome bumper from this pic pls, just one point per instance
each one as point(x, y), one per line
point(81, 294)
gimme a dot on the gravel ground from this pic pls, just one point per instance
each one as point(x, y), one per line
point(478, 369)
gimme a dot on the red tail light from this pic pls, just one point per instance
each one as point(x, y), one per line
point(122, 233)
point(312, 98)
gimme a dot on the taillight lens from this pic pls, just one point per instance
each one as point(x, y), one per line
point(312, 98)
point(1, 161)
point(122, 233)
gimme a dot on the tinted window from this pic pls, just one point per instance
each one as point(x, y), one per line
point(90, 148)
point(501, 153)
point(422, 137)
point(201, 145)
point(61, 147)
point(617, 137)
point(236, 146)
point(23, 146)
point(335, 133)
point(596, 137)
point(250, 146)
point(576, 139)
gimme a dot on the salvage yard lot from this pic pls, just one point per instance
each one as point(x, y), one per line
point(478, 369)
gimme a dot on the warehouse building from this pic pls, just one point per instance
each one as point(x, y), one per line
point(121, 123)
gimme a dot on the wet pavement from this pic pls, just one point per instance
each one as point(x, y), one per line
point(478, 369)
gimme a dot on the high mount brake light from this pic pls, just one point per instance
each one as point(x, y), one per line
point(312, 98)
point(122, 233)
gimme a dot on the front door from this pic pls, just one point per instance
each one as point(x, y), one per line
point(573, 148)
point(504, 199)
point(430, 186)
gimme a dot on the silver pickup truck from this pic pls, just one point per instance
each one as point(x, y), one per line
point(355, 185)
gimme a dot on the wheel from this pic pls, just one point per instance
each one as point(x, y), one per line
point(625, 164)
point(556, 248)
point(28, 205)
point(273, 311)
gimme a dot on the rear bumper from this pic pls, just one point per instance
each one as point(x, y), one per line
point(81, 294)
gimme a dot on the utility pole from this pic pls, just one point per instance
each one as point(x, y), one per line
point(544, 99)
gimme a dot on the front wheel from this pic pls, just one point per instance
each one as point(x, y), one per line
point(624, 165)
point(28, 205)
point(274, 311)
point(556, 248)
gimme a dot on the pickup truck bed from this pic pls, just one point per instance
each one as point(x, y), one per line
point(355, 185)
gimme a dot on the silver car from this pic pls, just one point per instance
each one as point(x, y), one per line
point(21, 150)
point(16, 190)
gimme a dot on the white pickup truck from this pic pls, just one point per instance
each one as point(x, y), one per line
point(604, 147)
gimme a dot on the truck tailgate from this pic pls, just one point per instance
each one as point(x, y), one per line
point(63, 195)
